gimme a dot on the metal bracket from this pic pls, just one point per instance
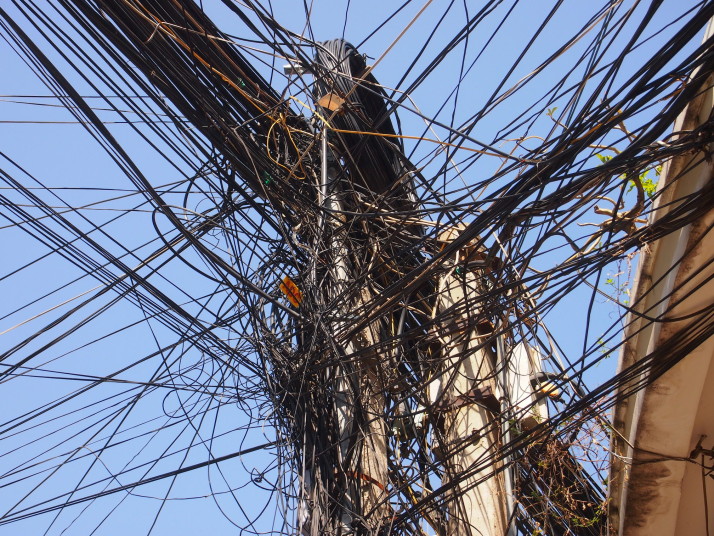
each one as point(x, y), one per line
point(483, 397)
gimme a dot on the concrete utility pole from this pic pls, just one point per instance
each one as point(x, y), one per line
point(485, 392)
point(359, 401)
point(358, 389)
point(464, 395)
point(480, 384)
point(471, 393)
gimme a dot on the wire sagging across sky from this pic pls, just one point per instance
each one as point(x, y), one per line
point(299, 228)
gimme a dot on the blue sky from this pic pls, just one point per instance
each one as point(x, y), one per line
point(50, 146)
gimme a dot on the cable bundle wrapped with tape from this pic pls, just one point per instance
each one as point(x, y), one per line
point(355, 106)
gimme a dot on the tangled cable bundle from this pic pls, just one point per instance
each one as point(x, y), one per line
point(322, 290)
point(359, 106)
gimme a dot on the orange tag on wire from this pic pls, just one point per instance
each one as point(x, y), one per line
point(291, 291)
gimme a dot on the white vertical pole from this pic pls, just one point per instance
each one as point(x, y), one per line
point(359, 404)
point(464, 394)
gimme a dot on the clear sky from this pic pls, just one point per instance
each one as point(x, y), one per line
point(46, 149)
